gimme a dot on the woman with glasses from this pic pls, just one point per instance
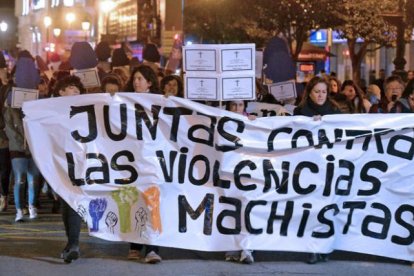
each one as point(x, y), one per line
point(394, 87)
point(405, 104)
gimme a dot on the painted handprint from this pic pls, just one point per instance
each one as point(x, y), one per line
point(82, 212)
point(124, 198)
point(152, 199)
point(141, 220)
point(111, 220)
point(97, 208)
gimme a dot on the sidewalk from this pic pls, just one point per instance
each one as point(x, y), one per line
point(33, 248)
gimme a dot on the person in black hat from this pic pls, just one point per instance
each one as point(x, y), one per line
point(70, 86)
point(103, 53)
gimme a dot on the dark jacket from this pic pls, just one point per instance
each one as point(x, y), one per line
point(311, 109)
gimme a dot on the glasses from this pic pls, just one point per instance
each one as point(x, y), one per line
point(394, 89)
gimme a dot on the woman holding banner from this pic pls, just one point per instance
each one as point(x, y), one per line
point(143, 80)
point(245, 256)
point(316, 103)
point(70, 86)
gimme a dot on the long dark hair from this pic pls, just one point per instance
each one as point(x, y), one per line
point(68, 81)
point(167, 79)
point(359, 108)
point(409, 89)
point(148, 74)
point(308, 89)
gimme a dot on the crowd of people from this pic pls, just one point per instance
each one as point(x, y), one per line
point(119, 71)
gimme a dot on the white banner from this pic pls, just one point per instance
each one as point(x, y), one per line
point(170, 172)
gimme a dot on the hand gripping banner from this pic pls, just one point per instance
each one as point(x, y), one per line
point(167, 171)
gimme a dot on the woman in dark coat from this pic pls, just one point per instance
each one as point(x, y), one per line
point(315, 100)
point(316, 103)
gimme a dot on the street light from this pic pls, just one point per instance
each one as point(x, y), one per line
point(85, 27)
point(70, 17)
point(56, 32)
point(47, 21)
point(3, 28)
point(397, 19)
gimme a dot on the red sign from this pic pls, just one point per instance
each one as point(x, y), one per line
point(306, 67)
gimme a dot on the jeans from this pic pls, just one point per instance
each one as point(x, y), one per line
point(25, 166)
point(4, 171)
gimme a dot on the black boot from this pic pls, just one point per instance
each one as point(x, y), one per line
point(70, 253)
point(324, 257)
point(314, 258)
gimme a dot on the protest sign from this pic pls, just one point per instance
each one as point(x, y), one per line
point(88, 77)
point(167, 171)
point(232, 65)
point(202, 88)
point(267, 110)
point(283, 90)
point(21, 95)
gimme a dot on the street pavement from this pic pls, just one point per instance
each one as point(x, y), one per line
point(33, 248)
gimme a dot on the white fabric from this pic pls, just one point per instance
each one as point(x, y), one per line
point(381, 222)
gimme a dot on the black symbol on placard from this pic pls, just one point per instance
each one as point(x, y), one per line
point(237, 83)
point(111, 220)
point(236, 53)
point(201, 83)
point(200, 54)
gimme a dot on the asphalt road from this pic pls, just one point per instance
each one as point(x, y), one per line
point(33, 248)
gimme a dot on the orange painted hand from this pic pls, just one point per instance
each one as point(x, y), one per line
point(152, 200)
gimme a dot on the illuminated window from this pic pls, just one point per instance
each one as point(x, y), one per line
point(26, 7)
point(54, 3)
point(68, 3)
point(38, 4)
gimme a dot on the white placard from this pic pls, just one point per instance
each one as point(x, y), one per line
point(259, 64)
point(238, 88)
point(237, 59)
point(283, 90)
point(200, 60)
point(267, 110)
point(199, 88)
point(21, 95)
point(88, 77)
point(231, 66)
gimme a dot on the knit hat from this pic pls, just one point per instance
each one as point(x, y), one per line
point(103, 51)
point(119, 58)
point(150, 53)
point(24, 53)
point(27, 76)
point(82, 56)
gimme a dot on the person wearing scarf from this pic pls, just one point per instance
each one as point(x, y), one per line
point(316, 103)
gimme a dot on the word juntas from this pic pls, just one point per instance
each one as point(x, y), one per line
point(204, 133)
point(218, 125)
